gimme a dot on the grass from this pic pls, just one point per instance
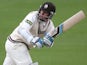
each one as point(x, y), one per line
point(69, 48)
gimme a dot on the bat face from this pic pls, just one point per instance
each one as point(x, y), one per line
point(67, 24)
point(73, 20)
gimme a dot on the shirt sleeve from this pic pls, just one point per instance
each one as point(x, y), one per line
point(23, 30)
point(26, 25)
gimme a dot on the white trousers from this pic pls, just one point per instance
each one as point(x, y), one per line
point(16, 54)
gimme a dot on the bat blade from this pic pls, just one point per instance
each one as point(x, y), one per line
point(70, 22)
point(73, 20)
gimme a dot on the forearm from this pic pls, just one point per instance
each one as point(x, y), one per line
point(25, 34)
point(35, 41)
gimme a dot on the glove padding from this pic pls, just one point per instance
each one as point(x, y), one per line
point(38, 42)
point(48, 40)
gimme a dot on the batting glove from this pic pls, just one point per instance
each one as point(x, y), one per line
point(38, 42)
point(48, 40)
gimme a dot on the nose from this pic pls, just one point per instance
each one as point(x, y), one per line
point(42, 15)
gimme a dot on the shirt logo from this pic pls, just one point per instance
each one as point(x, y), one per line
point(29, 22)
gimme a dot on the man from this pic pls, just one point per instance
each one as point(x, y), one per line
point(32, 32)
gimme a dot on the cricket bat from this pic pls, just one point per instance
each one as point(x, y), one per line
point(67, 24)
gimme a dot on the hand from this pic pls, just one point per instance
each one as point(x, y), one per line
point(37, 42)
point(48, 40)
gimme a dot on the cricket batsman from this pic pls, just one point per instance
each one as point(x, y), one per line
point(30, 33)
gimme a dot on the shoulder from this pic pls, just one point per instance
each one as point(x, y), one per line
point(32, 16)
point(33, 13)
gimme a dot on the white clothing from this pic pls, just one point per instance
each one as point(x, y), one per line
point(17, 53)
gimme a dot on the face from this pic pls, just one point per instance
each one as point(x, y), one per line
point(43, 16)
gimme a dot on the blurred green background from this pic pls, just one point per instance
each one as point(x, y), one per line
point(69, 48)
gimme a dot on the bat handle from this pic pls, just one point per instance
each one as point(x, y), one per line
point(57, 31)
